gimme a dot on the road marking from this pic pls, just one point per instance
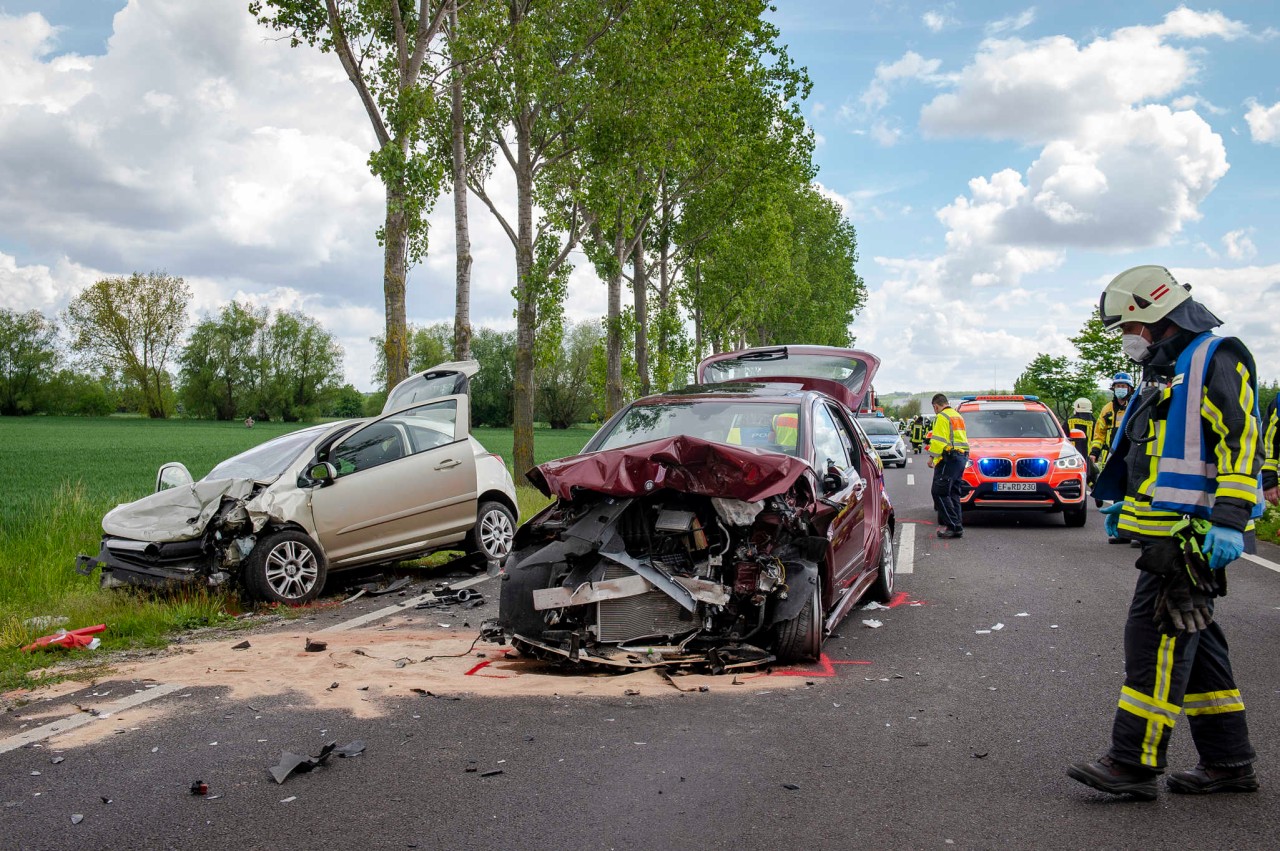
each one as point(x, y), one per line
point(400, 607)
point(1269, 565)
point(906, 550)
point(81, 718)
point(911, 479)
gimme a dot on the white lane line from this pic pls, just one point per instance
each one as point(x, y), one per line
point(400, 607)
point(1269, 565)
point(906, 550)
point(911, 479)
point(81, 718)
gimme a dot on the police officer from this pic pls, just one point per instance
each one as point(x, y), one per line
point(1271, 447)
point(948, 453)
point(1188, 450)
point(917, 433)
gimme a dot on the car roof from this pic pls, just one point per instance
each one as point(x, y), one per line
point(1002, 405)
point(740, 390)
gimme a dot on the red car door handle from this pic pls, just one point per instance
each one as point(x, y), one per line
point(445, 465)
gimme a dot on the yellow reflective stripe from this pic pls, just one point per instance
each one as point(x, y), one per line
point(1242, 479)
point(1141, 518)
point(1216, 421)
point(1164, 669)
point(1250, 496)
point(1249, 438)
point(1157, 707)
point(1217, 710)
point(1213, 702)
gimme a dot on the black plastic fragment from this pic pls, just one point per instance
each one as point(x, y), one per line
point(243, 645)
point(292, 762)
point(495, 772)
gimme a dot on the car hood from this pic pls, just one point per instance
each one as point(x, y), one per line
point(1021, 446)
point(182, 513)
point(683, 463)
point(883, 438)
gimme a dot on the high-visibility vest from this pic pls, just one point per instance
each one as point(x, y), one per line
point(786, 429)
point(948, 433)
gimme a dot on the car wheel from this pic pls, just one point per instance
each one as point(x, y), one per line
point(1075, 518)
point(285, 567)
point(490, 539)
point(800, 639)
point(882, 589)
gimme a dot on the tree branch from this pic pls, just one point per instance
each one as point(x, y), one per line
point(343, 49)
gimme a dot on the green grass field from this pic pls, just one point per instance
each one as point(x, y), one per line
point(62, 474)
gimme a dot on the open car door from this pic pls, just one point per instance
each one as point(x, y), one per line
point(446, 379)
point(843, 374)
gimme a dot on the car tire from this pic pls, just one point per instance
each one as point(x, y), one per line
point(285, 567)
point(800, 639)
point(491, 538)
point(882, 589)
point(1075, 517)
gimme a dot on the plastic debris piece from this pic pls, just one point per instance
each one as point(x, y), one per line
point(399, 584)
point(982, 755)
point(57, 759)
point(1022, 615)
point(873, 605)
point(155, 750)
point(313, 646)
point(76, 818)
point(105, 799)
point(348, 751)
point(288, 799)
point(493, 773)
point(793, 787)
point(997, 627)
point(69, 639)
point(291, 762)
point(872, 623)
point(332, 686)
point(199, 787)
point(982, 632)
point(35, 773)
point(631, 692)
point(243, 645)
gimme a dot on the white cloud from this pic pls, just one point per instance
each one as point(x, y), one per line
point(1013, 23)
point(1188, 23)
point(39, 287)
point(1239, 245)
point(885, 134)
point(1234, 294)
point(936, 20)
point(909, 66)
point(1264, 122)
point(1195, 102)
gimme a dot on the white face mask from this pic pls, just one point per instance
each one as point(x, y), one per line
point(1135, 347)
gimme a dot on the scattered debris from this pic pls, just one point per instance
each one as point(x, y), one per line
point(354, 597)
point(982, 755)
point(105, 799)
point(997, 627)
point(57, 759)
point(399, 585)
point(872, 623)
point(1022, 615)
point(631, 692)
point(76, 818)
point(332, 686)
point(791, 786)
point(289, 799)
point(494, 773)
point(982, 632)
point(243, 645)
point(446, 596)
point(199, 787)
point(69, 640)
point(291, 762)
point(314, 646)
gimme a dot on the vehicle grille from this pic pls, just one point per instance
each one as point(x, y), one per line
point(1032, 468)
point(1070, 489)
point(995, 468)
point(650, 614)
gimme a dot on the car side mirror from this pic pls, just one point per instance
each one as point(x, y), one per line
point(833, 481)
point(1077, 434)
point(324, 473)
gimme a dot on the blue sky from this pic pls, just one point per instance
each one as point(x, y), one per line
point(1000, 161)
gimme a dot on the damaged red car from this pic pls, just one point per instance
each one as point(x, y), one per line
point(727, 525)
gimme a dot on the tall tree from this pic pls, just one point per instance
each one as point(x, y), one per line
point(220, 367)
point(1100, 352)
point(1056, 380)
point(131, 326)
point(28, 357)
point(300, 368)
point(383, 46)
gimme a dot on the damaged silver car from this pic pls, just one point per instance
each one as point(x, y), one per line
point(282, 515)
point(723, 525)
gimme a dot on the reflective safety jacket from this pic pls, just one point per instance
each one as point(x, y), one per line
point(786, 430)
point(1200, 446)
point(1084, 422)
point(917, 432)
point(948, 433)
point(1271, 446)
point(1110, 419)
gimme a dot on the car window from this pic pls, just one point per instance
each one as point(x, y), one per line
point(828, 445)
point(876, 425)
point(268, 460)
point(1010, 422)
point(390, 439)
point(765, 425)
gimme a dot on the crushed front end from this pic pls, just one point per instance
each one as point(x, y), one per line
point(688, 553)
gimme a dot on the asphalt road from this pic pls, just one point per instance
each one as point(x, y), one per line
point(942, 736)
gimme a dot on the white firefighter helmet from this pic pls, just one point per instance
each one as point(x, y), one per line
point(1082, 406)
point(1143, 294)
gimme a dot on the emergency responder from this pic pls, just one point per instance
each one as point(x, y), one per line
point(1082, 419)
point(1111, 417)
point(1271, 447)
point(948, 453)
point(917, 433)
point(1186, 469)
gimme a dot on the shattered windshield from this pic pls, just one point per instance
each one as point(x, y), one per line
point(268, 460)
point(1009, 423)
point(778, 362)
point(766, 425)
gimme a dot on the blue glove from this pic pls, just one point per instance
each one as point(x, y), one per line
point(1223, 546)
point(1113, 518)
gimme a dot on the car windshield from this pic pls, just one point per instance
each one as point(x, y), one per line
point(779, 362)
point(268, 460)
point(1010, 423)
point(767, 425)
point(876, 425)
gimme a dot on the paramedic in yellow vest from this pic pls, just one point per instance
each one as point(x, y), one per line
point(948, 453)
point(1185, 471)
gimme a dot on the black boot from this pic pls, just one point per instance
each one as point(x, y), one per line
point(1116, 778)
point(1203, 781)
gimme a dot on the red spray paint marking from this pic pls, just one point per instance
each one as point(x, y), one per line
point(826, 668)
point(902, 598)
point(475, 672)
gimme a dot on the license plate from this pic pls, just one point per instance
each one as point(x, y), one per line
point(1019, 487)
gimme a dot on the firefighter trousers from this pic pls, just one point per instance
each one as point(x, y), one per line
point(1166, 676)
point(948, 473)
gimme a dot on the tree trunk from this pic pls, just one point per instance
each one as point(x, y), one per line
point(526, 303)
point(697, 313)
point(395, 254)
point(613, 338)
point(665, 368)
point(461, 230)
point(641, 286)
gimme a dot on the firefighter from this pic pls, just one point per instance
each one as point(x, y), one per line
point(1271, 447)
point(1111, 417)
point(948, 453)
point(1185, 468)
point(917, 433)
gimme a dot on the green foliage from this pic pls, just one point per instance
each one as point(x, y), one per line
point(131, 326)
point(564, 387)
point(221, 365)
point(492, 387)
point(28, 355)
point(1100, 353)
point(300, 361)
point(71, 393)
point(1267, 393)
point(348, 402)
point(1057, 381)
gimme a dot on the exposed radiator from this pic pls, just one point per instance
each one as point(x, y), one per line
point(650, 614)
